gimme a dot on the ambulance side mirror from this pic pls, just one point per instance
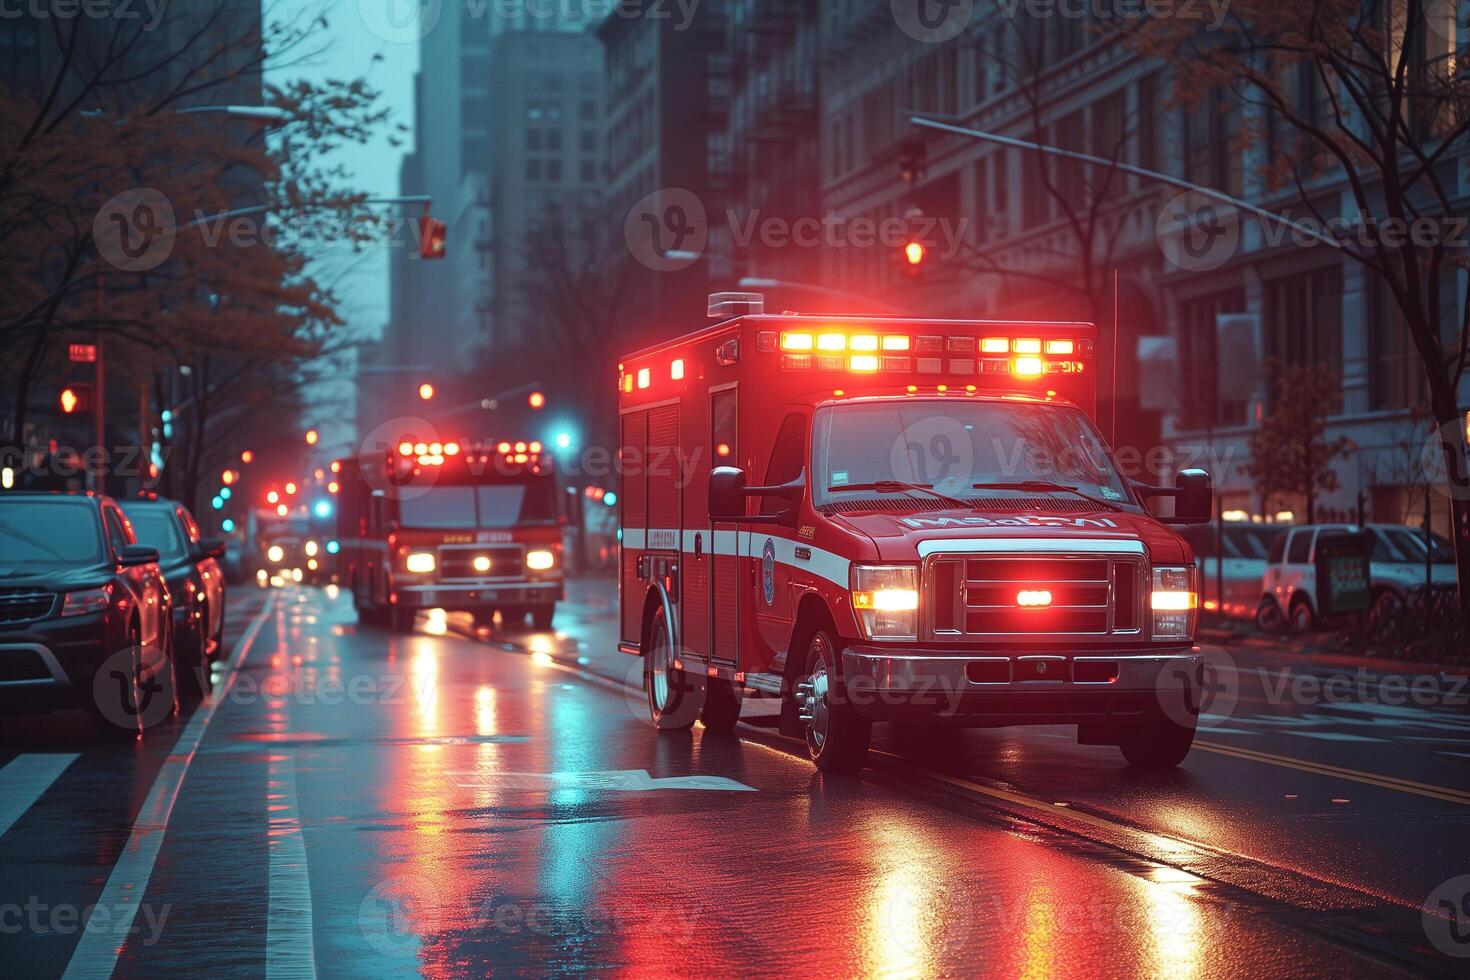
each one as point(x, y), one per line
point(727, 493)
point(1194, 497)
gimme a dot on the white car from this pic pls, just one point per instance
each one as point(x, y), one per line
point(1396, 566)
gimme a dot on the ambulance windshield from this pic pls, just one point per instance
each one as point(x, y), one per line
point(952, 445)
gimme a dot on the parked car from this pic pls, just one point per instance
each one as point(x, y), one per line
point(191, 565)
point(1396, 565)
point(1239, 560)
point(84, 612)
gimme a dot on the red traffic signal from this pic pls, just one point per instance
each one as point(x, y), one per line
point(76, 398)
point(911, 260)
point(433, 235)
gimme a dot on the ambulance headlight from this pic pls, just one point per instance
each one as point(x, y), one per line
point(419, 562)
point(1175, 603)
point(540, 561)
point(885, 599)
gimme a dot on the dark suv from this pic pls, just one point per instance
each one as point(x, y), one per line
point(84, 612)
point(191, 567)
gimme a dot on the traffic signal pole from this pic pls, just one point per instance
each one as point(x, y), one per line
point(99, 400)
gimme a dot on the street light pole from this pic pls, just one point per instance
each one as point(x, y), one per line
point(760, 282)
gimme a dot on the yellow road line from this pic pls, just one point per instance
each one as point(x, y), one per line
point(1325, 769)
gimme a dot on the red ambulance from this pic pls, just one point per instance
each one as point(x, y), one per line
point(898, 520)
point(459, 527)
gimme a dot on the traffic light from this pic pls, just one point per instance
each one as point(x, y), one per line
point(311, 437)
point(76, 398)
point(426, 391)
point(913, 160)
point(914, 254)
point(537, 400)
point(432, 238)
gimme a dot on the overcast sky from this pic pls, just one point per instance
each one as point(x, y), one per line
point(349, 53)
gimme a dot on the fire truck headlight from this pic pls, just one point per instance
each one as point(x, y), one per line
point(540, 561)
point(886, 600)
point(419, 562)
point(275, 553)
point(1175, 603)
point(482, 563)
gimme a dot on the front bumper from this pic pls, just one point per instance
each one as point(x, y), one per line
point(53, 661)
point(476, 594)
point(1042, 688)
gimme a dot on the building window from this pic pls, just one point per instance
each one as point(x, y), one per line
point(589, 171)
point(533, 168)
point(553, 171)
point(1035, 197)
point(587, 110)
point(553, 140)
point(533, 139)
point(587, 140)
point(1199, 360)
point(1396, 373)
point(1148, 122)
point(1303, 322)
point(1211, 126)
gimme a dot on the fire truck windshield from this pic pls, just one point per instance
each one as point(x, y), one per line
point(952, 444)
point(500, 505)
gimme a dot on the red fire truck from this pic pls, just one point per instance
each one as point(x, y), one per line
point(898, 520)
point(449, 526)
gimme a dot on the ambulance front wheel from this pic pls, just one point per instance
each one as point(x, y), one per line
point(721, 706)
point(542, 615)
point(836, 736)
point(673, 702)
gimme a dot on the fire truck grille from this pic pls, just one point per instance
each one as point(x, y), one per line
point(1034, 595)
point(458, 561)
point(898, 503)
point(24, 605)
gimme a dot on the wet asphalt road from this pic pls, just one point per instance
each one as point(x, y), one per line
point(460, 803)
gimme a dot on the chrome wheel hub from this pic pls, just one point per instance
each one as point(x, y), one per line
point(658, 669)
point(812, 707)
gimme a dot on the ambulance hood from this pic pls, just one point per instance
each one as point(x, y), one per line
point(897, 535)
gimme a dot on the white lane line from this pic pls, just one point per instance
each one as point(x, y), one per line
point(24, 780)
point(289, 945)
point(97, 952)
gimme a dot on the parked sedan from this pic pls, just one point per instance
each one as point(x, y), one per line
point(1230, 574)
point(1396, 565)
point(191, 565)
point(84, 612)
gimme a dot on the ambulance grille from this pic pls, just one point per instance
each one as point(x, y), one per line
point(972, 596)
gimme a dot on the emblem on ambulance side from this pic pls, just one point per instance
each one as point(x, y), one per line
point(768, 571)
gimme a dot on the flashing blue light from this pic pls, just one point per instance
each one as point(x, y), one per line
point(227, 525)
point(323, 508)
point(217, 504)
point(333, 547)
point(166, 415)
point(610, 498)
point(563, 440)
point(225, 493)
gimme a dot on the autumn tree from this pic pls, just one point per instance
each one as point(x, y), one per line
point(1290, 451)
point(1368, 100)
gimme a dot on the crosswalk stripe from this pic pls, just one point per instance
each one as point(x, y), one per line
point(24, 780)
point(96, 954)
point(289, 946)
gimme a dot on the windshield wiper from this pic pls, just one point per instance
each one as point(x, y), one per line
point(1046, 486)
point(893, 486)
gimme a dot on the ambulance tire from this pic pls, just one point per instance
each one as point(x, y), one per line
point(673, 700)
point(400, 620)
point(542, 615)
point(1160, 744)
point(837, 736)
point(721, 706)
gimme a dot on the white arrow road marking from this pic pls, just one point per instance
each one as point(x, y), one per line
point(24, 780)
point(97, 952)
point(625, 780)
point(289, 944)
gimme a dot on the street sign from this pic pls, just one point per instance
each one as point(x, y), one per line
point(82, 353)
point(1343, 574)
